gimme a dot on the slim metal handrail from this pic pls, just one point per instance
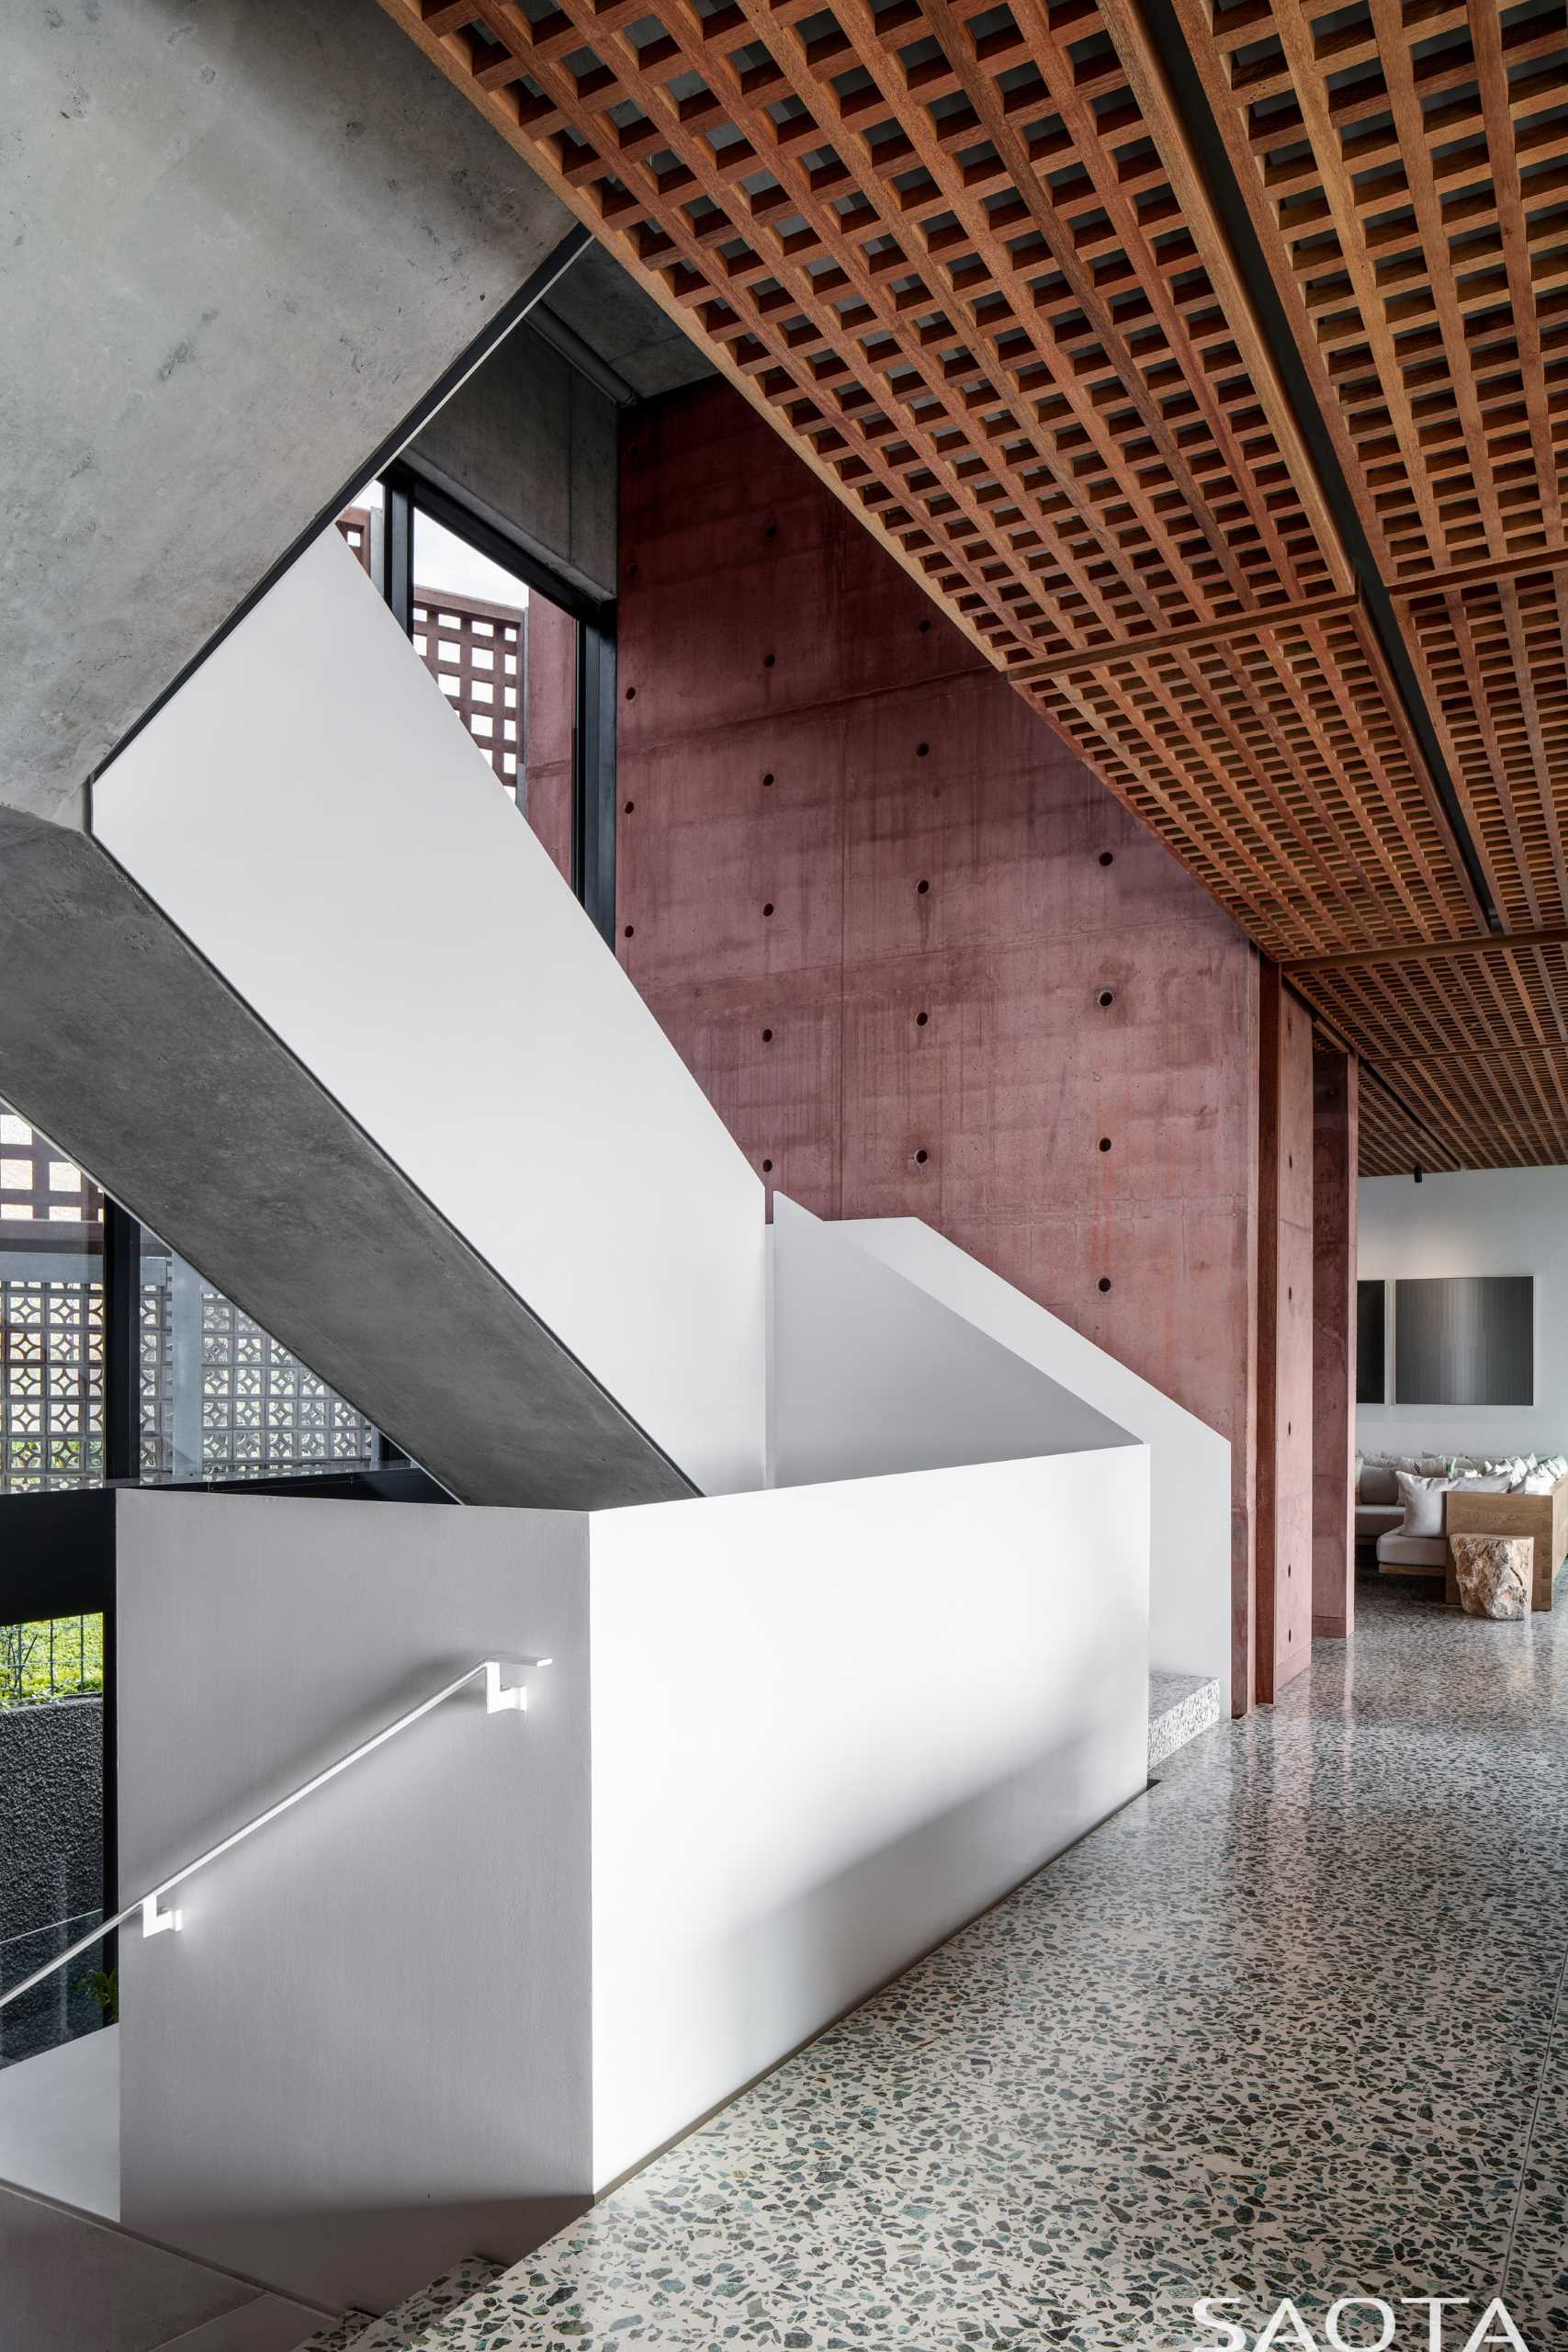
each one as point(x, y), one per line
point(499, 1696)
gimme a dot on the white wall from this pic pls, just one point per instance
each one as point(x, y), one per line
point(313, 814)
point(1189, 1468)
point(366, 2051)
point(789, 1741)
point(872, 1373)
point(1480, 1221)
point(830, 1724)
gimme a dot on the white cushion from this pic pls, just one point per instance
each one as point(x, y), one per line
point(1499, 1485)
point(1538, 1482)
point(1423, 1500)
point(1414, 1552)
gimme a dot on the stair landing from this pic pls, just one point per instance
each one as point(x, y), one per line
point(1180, 1706)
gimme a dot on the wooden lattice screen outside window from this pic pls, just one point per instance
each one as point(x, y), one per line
point(478, 654)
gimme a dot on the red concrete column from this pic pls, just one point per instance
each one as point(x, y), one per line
point(1284, 1485)
point(549, 702)
point(1243, 1431)
point(1336, 1112)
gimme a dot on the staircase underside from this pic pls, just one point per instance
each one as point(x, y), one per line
point(134, 1056)
point(242, 248)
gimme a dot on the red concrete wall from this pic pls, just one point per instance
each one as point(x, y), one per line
point(1284, 1509)
point(1336, 1116)
point(550, 704)
point(922, 962)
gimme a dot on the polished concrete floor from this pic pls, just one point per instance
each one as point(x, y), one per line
point(71, 2284)
point(1284, 2027)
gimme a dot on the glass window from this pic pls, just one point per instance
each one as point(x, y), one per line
point(221, 1401)
point(51, 1303)
point(503, 653)
point(505, 657)
point(51, 1829)
point(56, 1657)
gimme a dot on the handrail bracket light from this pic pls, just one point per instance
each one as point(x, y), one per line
point(515, 1691)
point(506, 1690)
point(155, 1922)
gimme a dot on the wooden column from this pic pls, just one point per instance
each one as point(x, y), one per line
point(1282, 1644)
point(1336, 1111)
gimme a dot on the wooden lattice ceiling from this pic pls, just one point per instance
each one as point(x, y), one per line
point(1053, 322)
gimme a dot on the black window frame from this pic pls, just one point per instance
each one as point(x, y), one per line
point(409, 489)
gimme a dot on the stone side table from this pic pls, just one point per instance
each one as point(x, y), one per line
point(1493, 1574)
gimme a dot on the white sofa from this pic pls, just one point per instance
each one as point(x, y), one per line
point(1502, 1494)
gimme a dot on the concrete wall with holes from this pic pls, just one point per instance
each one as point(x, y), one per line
point(923, 963)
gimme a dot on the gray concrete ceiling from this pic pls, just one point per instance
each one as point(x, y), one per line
point(240, 245)
point(609, 312)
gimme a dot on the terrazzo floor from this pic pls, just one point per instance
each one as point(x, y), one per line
point(1285, 2026)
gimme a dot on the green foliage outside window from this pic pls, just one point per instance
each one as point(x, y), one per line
point(57, 1657)
point(104, 1989)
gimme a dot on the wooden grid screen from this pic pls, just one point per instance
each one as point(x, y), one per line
point(951, 259)
point(964, 258)
point(1403, 162)
point(476, 653)
point(1493, 658)
point(1279, 768)
point(355, 527)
